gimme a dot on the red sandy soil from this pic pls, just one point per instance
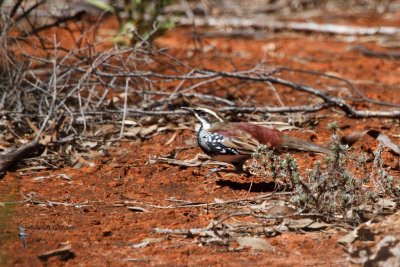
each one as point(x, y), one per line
point(101, 233)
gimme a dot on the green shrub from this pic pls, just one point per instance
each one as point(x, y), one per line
point(139, 20)
point(331, 188)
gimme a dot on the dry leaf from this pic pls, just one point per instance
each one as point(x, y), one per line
point(298, 224)
point(196, 161)
point(387, 204)
point(147, 241)
point(218, 201)
point(348, 238)
point(89, 144)
point(81, 161)
point(318, 226)
point(137, 209)
point(350, 139)
point(64, 252)
point(132, 132)
point(361, 232)
point(277, 211)
point(7, 159)
point(129, 122)
point(46, 139)
point(171, 139)
point(255, 243)
point(260, 207)
point(148, 130)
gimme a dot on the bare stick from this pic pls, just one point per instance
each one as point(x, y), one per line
point(293, 26)
point(350, 84)
point(379, 54)
point(125, 106)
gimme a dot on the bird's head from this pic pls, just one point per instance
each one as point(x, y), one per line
point(206, 116)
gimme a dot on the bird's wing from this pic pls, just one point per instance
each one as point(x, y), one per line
point(242, 145)
point(236, 138)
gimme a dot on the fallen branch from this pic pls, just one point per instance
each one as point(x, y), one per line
point(64, 253)
point(347, 82)
point(253, 76)
point(329, 100)
point(291, 26)
point(372, 53)
point(6, 160)
point(49, 203)
point(200, 159)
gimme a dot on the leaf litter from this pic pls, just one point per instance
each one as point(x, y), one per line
point(247, 220)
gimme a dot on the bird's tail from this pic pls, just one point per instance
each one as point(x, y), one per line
point(297, 144)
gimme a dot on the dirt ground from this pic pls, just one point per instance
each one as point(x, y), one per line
point(89, 210)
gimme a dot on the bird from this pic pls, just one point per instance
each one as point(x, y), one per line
point(235, 142)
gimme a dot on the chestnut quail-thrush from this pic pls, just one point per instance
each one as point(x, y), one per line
point(235, 142)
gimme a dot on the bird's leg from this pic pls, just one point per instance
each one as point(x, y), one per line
point(240, 168)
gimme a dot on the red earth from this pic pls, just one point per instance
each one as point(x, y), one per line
point(89, 210)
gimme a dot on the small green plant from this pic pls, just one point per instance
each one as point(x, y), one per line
point(331, 188)
point(139, 20)
point(264, 162)
point(384, 183)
